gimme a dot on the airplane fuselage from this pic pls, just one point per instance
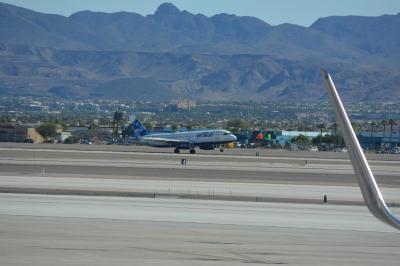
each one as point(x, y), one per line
point(205, 139)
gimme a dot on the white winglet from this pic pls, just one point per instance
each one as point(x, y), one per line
point(369, 188)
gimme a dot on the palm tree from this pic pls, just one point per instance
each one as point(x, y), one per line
point(384, 123)
point(116, 122)
point(373, 124)
point(321, 127)
point(355, 126)
point(392, 123)
point(334, 126)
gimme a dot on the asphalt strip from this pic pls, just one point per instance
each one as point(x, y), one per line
point(110, 193)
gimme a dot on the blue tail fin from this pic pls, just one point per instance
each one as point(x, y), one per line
point(138, 129)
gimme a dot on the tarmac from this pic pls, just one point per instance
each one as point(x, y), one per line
point(78, 230)
point(118, 205)
point(312, 168)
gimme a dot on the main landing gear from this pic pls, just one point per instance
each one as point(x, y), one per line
point(191, 150)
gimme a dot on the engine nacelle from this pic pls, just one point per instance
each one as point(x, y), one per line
point(207, 147)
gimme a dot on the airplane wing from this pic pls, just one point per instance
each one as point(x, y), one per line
point(372, 195)
point(171, 142)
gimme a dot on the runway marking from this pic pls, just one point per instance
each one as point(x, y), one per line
point(237, 257)
point(212, 156)
point(267, 167)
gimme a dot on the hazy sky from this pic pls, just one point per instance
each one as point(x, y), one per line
point(302, 12)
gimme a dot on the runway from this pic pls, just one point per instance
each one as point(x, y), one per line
point(67, 230)
point(267, 178)
point(271, 210)
point(348, 195)
point(144, 149)
point(315, 169)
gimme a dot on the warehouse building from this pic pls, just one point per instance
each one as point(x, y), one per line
point(19, 133)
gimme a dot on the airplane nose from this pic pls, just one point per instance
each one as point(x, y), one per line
point(234, 138)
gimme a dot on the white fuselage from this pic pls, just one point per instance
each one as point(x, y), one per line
point(190, 138)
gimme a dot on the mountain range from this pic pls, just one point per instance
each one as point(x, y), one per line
point(175, 54)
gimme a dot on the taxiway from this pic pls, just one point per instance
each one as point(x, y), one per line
point(128, 206)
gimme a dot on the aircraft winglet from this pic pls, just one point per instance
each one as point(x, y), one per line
point(372, 195)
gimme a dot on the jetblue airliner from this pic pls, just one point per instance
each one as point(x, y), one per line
point(204, 139)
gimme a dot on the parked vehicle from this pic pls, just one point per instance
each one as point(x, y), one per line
point(85, 141)
point(395, 150)
point(341, 150)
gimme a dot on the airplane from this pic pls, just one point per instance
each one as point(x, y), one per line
point(369, 188)
point(204, 139)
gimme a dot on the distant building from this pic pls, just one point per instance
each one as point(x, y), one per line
point(379, 140)
point(285, 137)
point(102, 132)
point(319, 116)
point(263, 138)
point(243, 137)
point(62, 136)
point(19, 133)
point(183, 104)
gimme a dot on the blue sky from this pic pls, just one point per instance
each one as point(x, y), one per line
point(301, 12)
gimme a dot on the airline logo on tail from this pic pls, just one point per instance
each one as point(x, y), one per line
point(138, 129)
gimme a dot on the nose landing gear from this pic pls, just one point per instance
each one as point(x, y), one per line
point(191, 147)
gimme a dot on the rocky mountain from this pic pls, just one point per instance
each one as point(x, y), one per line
point(374, 35)
point(175, 54)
